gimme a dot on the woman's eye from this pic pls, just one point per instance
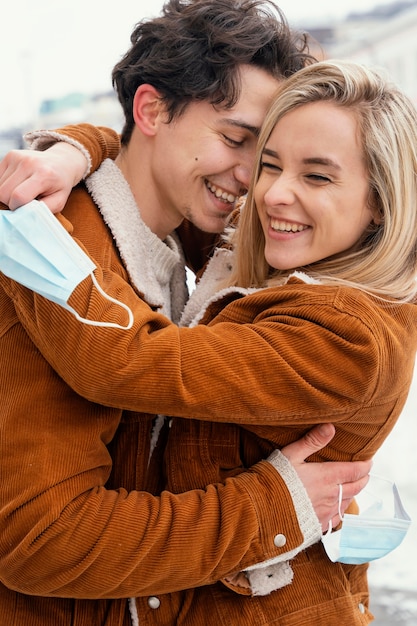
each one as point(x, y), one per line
point(267, 165)
point(320, 178)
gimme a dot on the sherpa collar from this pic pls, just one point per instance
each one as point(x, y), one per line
point(210, 290)
point(150, 262)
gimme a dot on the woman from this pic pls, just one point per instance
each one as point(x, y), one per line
point(313, 311)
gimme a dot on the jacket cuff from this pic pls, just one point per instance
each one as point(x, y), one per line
point(44, 139)
point(270, 578)
point(307, 518)
point(276, 572)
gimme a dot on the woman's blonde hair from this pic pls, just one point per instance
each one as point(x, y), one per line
point(384, 262)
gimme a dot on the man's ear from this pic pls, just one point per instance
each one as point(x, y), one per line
point(148, 109)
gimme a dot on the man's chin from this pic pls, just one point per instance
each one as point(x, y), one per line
point(215, 224)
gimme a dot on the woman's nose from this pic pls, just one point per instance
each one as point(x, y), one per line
point(281, 191)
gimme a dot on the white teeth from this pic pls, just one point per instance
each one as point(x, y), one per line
point(287, 226)
point(219, 193)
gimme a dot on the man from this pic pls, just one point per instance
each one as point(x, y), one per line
point(81, 531)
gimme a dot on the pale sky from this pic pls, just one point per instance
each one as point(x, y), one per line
point(49, 48)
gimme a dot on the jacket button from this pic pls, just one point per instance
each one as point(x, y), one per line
point(154, 602)
point(361, 607)
point(280, 541)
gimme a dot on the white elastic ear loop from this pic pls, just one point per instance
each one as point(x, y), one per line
point(329, 530)
point(105, 324)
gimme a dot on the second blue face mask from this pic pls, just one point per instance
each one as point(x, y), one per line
point(375, 532)
point(37, 252)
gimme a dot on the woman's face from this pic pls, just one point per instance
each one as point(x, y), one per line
point(313, 190)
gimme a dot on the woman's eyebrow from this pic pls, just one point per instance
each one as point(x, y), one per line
point(307, 161)
point(322, 161)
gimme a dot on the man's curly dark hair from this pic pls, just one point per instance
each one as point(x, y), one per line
point(194, 49)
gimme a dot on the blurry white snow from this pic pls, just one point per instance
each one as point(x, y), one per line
point(397, 460)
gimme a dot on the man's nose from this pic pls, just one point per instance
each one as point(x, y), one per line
point(244, 166)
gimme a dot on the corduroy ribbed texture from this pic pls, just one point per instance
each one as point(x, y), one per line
point(307, 354)
point(75, 521)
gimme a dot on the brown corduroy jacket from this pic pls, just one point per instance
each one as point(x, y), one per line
point(308, 354)
point(79, 534)
point(274, 362)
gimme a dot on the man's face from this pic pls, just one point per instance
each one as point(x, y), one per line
point(201, 162)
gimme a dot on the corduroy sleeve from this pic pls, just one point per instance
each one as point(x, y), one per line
point(228, 371)
point(64, 534)
point(97, 143)
point(263, 360)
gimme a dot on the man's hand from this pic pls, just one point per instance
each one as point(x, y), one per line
point(322, 480)
point(27, 175)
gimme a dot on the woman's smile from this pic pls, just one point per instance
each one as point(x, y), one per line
point(312, 192)
point(282, 226)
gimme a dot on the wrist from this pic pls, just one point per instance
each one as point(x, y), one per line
point(47, 139)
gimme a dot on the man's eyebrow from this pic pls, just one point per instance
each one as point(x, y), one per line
point(254, 130)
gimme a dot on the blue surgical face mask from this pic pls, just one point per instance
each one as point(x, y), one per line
point(375, 532)
point(36, 251)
